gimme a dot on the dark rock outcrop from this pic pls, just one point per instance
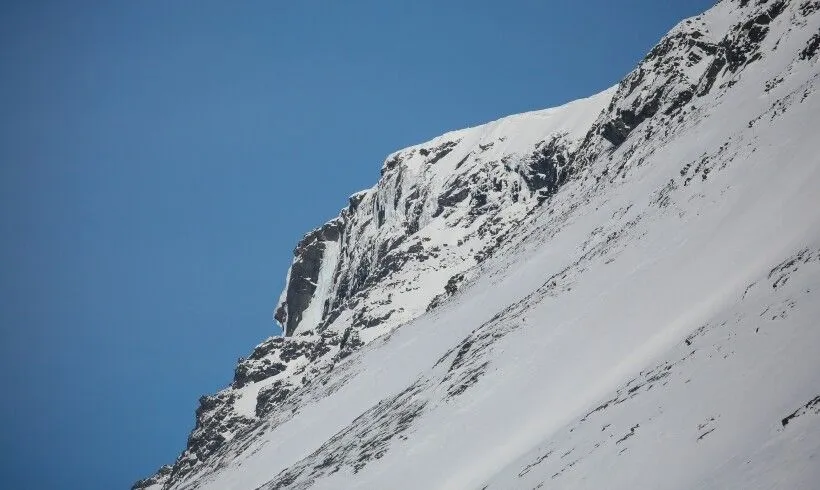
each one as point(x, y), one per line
point(305, 272)
point(159, 478)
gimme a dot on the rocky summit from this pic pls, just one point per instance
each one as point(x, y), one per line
point(621, 292)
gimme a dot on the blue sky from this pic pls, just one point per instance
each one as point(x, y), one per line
point(160, 160)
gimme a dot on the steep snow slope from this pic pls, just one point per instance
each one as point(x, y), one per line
point(619, 293)
point(397, 251)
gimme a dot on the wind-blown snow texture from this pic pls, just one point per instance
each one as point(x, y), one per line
point(617, 293)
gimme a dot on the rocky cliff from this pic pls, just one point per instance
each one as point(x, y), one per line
point(458, 208)
point(395, 252)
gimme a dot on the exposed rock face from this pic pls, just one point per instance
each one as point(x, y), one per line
point(463, 181)
point(157, 480)
point(396, 251)
point(304, 273)
point(700, 56)
point(442, 208)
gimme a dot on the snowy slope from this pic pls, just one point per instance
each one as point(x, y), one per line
point(617, 293)
point(397, 251)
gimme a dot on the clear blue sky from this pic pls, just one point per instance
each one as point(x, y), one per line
point(160, 160)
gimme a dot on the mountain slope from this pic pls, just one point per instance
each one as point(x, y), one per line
point(396, 251)
point(561, 297)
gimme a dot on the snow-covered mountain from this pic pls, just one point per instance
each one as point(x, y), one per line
point(617, 293)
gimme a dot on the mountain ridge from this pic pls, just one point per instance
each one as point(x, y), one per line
point(482, 192)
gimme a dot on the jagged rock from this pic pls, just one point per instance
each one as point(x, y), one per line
point(304, 273)
point(158, 479)
point(247, 372)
